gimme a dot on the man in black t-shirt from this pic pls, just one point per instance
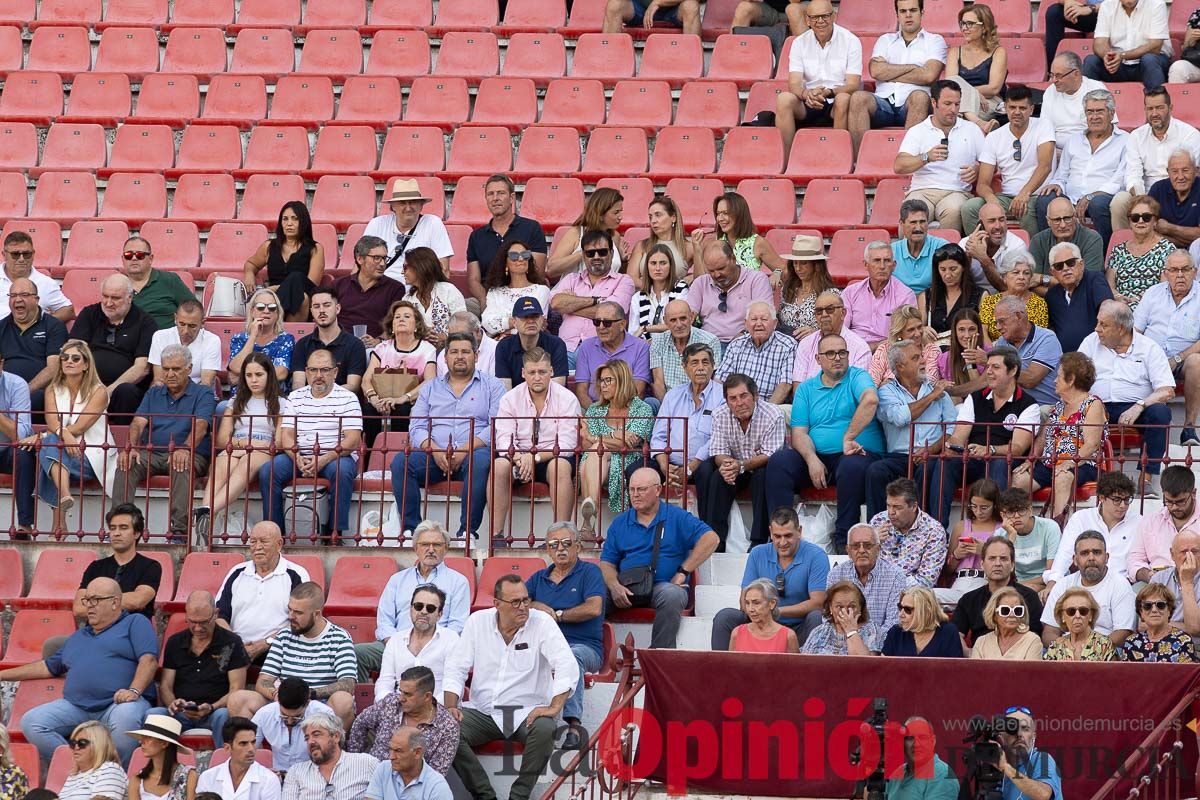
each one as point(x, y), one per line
point(999, 565)
point(138, 576)
point(348, 352)
point(119, 334)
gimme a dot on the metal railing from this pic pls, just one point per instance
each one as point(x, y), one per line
point(1156, 765)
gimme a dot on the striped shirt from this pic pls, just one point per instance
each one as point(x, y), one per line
point(325, 419)
point(319, 661)
point(769, 365)
point(349, 781)
point(108, 780)
point(762, 437)
point(645, 309)
point(256, 606)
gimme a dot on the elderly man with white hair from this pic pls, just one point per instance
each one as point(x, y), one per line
point(1178, 197)
point(1149, 148)
point(331, 773)
point(1074, 299)
point(762, 352)
point(871, 301)
point(1169, 314)
point(1134, 380)
point(1038, 347)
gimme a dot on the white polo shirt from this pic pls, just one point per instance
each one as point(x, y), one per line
point(430, 232)
point(205, 349)
point(966, 143)
point(826, 66)
point(1116, 540)
point(999, 150)
point(1146, 155)
point(892, 48)
point(1129, 31)
point(1130, 376)
point(50, 294)
point(1065, 111)
point(256, 607)
point(259, 783)
point(1113, 594)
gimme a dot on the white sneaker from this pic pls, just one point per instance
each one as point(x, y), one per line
point(587, 513)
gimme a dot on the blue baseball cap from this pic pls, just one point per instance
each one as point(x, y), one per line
point(527, 307)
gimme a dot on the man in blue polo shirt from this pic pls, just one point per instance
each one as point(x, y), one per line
point(685, 544)
point(914, 249)
point(1039, 349)
point(529, 320)
point(1178, 197)
point(30, 340)
point(178, 414)
point(799, 570)
point(835, 437)
point(572, 591)
point(109, 664)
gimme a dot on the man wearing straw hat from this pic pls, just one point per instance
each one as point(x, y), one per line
point(407, 228)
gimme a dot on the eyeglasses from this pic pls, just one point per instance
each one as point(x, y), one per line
point(291, 718)
point(723, 302)
point(520, 255)
point(1069, 262)
point(605, 381)
point(985, 508)
point(835, 355)
point(821, 311)
point(519, 602)
point(1077, 611)
point(426, 608)
point(559, 544)
point(22, 295)
point(606, 323)
point(320, 370)
point(861, 546)
point(1010, 611)
point(1060, 220)
point(1169, 271)
point(376, 259)
point(1147, 217)
point(1058, 76)
point(266, 307)
point(72, 358)
point(1017, 150)
point(79, 744)
point(905, 609)
point(1153, 605)
point(1123, 500)
point(597, 252)
point(1018, 709)
point(19, 255)
point(819, 17)
point(642, 489)
point(93, 601)
point(197, 622)
point(135, 255)
point(969, 23)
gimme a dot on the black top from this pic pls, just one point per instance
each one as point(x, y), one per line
point(204, 678)
point(968, 614)
point(141, 571)
point(940, 316)
point(25, 351)
point(1072, 322)
point(944, 644)
point(485, 242)
point(115, 348)
point(348, 352)
point(993, 433)
point(278, 268)
point(510, 355)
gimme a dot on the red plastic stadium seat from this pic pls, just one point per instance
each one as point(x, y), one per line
point(195, 51)
point(11, 49)
point(741, 59)
point(466, 15)
point(468, 55)
point(25, 756)
point(548, 151)
point(306, 101)
point(361, 629)
point(169, 99)
point(1185, 101)
point(718, 17)
point(942, 18)
point(202, 571)
point(55, 579)
point(413, 150)
point(864, 17)
point(846, 253)
point(46, 235)
point(236, 99)
point(313, 565)
point(204, 199)
point(673, 57)
point(819, 153)
point(209, 148)
point(615, 152)
point(762, 97)
point(268, 14)
point(145, 13)
point(540, 56)
point(695, 197)
point(1083, 47)
point(772, 201)
point(18, 145)
point(62, 50)
point(217, 13)
point(479, 150)
point(229, 244)
point(511, 102)
point(1179, 13)
point(431, 186)
point(496, 566)
point(133, 51)
point(876, 155)
point(459, 235)
point(579, 103)
point(398, 15)
point(31, 694)
point(332, 14)
point(64, 196)
point(469, 207)
point(533, 15)
point(751, 152)
point(269, 52)
point(708, 104)
point(885, 210)
point(73, 146)
point(465, 567)
point(682, 151)
point(607, 57)
point(343, 200)
point(102, 98)
point(166, 586)
point(636, 192)
point(1026, 60)
point(1012, 16)
point(82, 286)
point(1130, 104)
point(265, 194)
point(364, 99)
point(135, 197)
point(553, 201)
point(142, 148)
point(32, 627)
point(17, 12)
point(832, 204)
point(96, 244)
point(400, 54)
point(353, 234)
point(344, 150)
point(357, 583)
point(587, 16)
point(67, 12)
point(642, 103)
point(14, 195)
point(334, 53)
point(275, 149)
point(438, 101)
point(31, 96)
point(781, 238)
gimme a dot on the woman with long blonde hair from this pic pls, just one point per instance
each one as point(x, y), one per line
point(979, 66)
point(264, 334)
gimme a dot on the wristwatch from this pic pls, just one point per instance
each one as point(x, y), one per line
point(925, 157)
point(558, 614)
point(685, 573)
point(1045, 280)
point(1178, 359)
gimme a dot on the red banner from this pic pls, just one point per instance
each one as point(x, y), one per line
point(784, 725)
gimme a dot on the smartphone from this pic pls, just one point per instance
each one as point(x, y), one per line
point(946, 144)
point(958, 448)
point(191, 706)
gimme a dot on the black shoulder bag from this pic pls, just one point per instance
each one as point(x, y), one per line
point(640, 580)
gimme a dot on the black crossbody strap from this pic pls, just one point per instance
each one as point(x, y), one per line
point(658, 533)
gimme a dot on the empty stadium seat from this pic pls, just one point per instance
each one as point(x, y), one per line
point(229, 244)
point(236, 99)
point(615, 152)
point(100, 97)
point(541, 57)
point(135, 197)
point(637, 193)
point(412, 150)
point(533, 15)
point(12, 50)
point(469, 207)
point(55, 579)
point(344, 150)
point(61, 50)
point(14, 195)
point(73, 146)
point(1026, 60)
point(1185, 101)
point(587, 16)
point(885, 208)
point(680, 150)
point(142, 148)
point(479, 150)
point(553, 201)
point(267, 14)
point(546, 150)
point(607, 57)
point(30, 629)
point(444, 102)
point(695, 197)
point(819, 153)
point(334, 14)
point(718, 17)
point(877, 154)
point(18, 145)
point(511, 102)
point(347, 263)
point(336, 54)
point(361, 629)
point(400, 54)
point(772, 201)
point(833, 204)
point(195, 51)
point(343, 200)
point(365, 98)
point(82, 286)
point(31, 96)
point(12, 574)
point(269, 52)
point(264, 194)
point(31, 694)
point(750, 152)
point(496, 566)
point(95, 244)
point(169, 99)
point(67, 12)
point(204, 199)
point(466, 15)
point(46, 236)
point(64, 197)
point(846, 253)
point(708, 104)
point(17, 12)
point(202, 571)
point(275, 149)
point(166, 585)
point(1012, 18)
point(215, 13)
point(357, 583)
point(641, 103)
point(1130, 104)
point(471, 56)
point(176, 244)
point(306, 101)
point(579, 103)
point(146, 13)
point(741, 59)
point(209, 148)
point(673, 57)
point(133, 51)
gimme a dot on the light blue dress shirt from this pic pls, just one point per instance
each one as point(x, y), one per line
point(1175, 326)
point(392, 615)
point(14, 402)
point(442, 416)
point(678, 405)
point(896, 419)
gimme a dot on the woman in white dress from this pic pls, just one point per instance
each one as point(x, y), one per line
point(437, 299)
point(511, 276)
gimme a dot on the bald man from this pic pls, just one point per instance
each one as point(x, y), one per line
point(109, 665)
point(666, 347)
point(30, 339)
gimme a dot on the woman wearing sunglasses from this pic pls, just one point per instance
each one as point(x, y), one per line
point(1007, 617)
point(1159, 641)
point(1076, 612)
point(95, 768)
point(763, 633)
point(265, 334)
point(512, 275)
point(1136, 265)
point(924, 629)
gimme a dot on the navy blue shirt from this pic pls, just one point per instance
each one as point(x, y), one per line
point(171, 419)
point(98, 664)
point(583, 581)
point(25, 351)
point(944, 644)
point(808, 572)
point(510, 357)
point(485, 242)
point(631, 544)
point(1184, 212)
point(348, 353)
point(1072, 322)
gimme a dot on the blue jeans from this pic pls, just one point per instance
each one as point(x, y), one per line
point(787, 474)
point(589, 659)
point(1097, 210)
point(280, 472)
point(1151, 70)
point(413, 470)
point(53, 452)
point(214, 722)
point(48, 726)
point(22, 465)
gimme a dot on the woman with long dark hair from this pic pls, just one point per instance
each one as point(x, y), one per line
point(436, 299)
point(963, 363)
point(951, 289)
point(512, 275)
point(734, 224)
point(806, 278)
point(295, 261)
point(163, 777)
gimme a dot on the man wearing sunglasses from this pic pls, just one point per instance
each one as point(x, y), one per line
point(578, 296)
point(426, 643)
point(1183, 579)
point(572, 591)
point(721, 296)
point(18, 263)
point(156, 292)
point(1075, 298)
point(1064, 227)
point(1112, 593)
point(611, 341)
point(1029, 773)
point(1169, 314)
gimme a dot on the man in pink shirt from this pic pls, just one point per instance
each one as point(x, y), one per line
point(871, 301)
point(721, 297)
point(537, 428)
point(578, 295)
point(1150, 549)
point(830, 311)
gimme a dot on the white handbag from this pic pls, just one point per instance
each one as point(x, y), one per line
point(228, 298)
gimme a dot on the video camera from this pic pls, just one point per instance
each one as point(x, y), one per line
point(874, 784)
point(983, 777)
